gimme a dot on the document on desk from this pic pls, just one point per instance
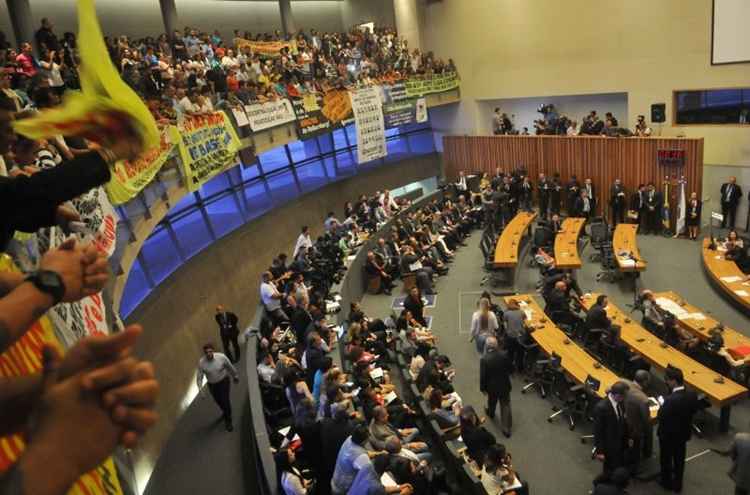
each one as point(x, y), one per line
point(390, 397)
point(731, 279)
point(742, 293)
point(669, 305)
point(529, 314)
point(692, 316)
point(627, 262)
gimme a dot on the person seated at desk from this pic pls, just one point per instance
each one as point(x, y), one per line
point(571, 284)
point(558, 306)
point(653, 315)
point(734, 238)
point(497, 473)
point(555, 223)
point(735, 251)
point(678, 337)
point(597, 314)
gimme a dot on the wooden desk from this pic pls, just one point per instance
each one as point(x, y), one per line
point(624, 240)
point(575, 361)
point(509, 242)
point(661, 355)
point(566, 244)
point(698, 327)
point(718, 268)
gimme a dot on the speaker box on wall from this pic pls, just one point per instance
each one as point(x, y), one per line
point(658, 112)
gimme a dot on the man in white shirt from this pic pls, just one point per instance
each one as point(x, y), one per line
point(303, 241)
point(271, 298)
point(216, 368)
point(267, 368)
point(572, 128)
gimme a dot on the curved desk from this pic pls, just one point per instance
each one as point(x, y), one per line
point(658, 353)
point(696, 321)
point(624, 240)
point(509, 243)
point(566, 244)
point(727, 275)
point(576, 362)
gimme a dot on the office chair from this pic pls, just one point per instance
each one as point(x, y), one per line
point(610, 270)
point(599, 236)
point(542, 376)
point(492, 274)
point(570, 404)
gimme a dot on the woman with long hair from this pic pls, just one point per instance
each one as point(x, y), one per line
point(483, 324)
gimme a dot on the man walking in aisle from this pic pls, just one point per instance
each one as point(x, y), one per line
point(229, 332)
point(216, 368)
point(495, 368)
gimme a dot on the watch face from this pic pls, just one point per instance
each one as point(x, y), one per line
point(49, 279)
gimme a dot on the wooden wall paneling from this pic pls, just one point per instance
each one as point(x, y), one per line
point(633, 160)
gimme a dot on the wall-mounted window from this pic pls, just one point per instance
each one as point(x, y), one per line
point(729, 106)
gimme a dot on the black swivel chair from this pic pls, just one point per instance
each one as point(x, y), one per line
point(599, 236)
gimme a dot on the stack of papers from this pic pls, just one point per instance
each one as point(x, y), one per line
point(671, 306)
point(529, 313)
point(731, 279)
point(692, 316)
point(741, 293)
point(626, 262)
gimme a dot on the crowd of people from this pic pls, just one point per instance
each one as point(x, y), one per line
point(553, 123)
point(192, 71)
point(355, 425)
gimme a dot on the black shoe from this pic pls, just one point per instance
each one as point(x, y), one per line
point(229, 426)
point(506, 433)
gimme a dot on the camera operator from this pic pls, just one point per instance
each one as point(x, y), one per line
point(641, 129)
point(497, 122)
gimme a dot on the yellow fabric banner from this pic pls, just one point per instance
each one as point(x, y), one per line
point(131, 177)
point(208, 146)
point(433, 84)
point(23, 358)
point(106, 108)
point(267, 49)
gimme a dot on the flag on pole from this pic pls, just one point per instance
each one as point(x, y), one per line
point(681, 210)
point(665, 208)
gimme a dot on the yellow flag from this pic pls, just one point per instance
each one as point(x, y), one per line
point(106, 108)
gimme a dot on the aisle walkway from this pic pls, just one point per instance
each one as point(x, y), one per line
point(548, 455)
point(201, 457)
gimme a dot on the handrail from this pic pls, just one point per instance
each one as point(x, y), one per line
point(350, 288)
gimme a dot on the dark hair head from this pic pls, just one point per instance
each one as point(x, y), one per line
point(600, 299)
point(360, 434)
point(326, 364)
point(495, 456)
point(436, 398)
point(674, 374)
point(209, 345)
point(620, 388)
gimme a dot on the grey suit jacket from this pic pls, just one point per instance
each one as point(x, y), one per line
point(637, 413)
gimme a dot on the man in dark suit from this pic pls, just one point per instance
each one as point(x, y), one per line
point(544, 187)
point(588, 186)
point(638, 203)
point(653, 210)
point(638, 417)
point(554, 194)
point(675, 428)
point(301, 319)
point(610, 429)
point(495, 368)
point(229, 332)
point(617, 201)
point(573, 189)
point(597, 318)
point(731, 194)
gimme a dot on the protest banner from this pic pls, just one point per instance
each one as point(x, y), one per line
point(368, 116)
point(208, 145)
point(131, 177)
point(266, 49)
point(434, 84)
point(270, 114)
